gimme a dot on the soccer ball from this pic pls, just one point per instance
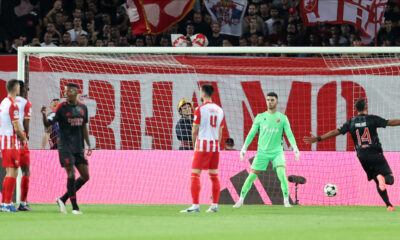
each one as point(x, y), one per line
point(330, 190)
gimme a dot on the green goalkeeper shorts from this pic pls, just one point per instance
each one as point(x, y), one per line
point(261, 160)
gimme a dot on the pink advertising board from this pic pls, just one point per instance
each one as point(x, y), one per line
point(163, 177)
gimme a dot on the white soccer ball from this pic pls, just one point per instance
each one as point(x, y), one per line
point(330, 190)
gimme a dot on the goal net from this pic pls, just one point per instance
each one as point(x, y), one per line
point(133, 95)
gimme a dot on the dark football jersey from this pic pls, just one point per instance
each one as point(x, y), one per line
point(71, 120)
point(363, 131)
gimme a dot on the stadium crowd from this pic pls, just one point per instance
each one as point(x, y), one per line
point(106, 23)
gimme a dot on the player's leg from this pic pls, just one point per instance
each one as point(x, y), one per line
point(195, 191)
point(279, 164)
point(215, 188)
point(260, 163)
point(67, 161)
point(11, 164)
point(82, 167)
point(384, 195)
point(25, 163)
point(384, 176)
point(215, 185)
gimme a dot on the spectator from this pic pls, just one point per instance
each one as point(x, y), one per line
point(15, 44)
point(66, 40)
point(55, 35)
point(284, 9)
point(149, 40)
point(77, 13)
point(337, 39)
point(200, 26)
point(215, 39)
point(51, 15)
point(253, 17)
point(265, 11)
point(189, 30)
point(164, 41)
point(35, 42)
point(229, 144)
point(82, 40)
point(99, 43)
point(243, 42)
point(387, 32)
point(274, 12)
point(47, 40)
point(115, 35)
point(123, 41)
point(59, 22)
point(184, 126)
point(356, 42)
point(106, 33)
point(51, 133)
point(111, 44)
point(122, 21)
point(226, 43)
point(77, 30)
point(68, 26)
point(139, 41)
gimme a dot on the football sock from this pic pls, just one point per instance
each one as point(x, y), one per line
point(280, 171)
point(72, 193)
point(78, 184)
point(195, 187)
point(216, 187)
point(24, 188)
point(8, 189)
point(383, 194)
point(247, 184)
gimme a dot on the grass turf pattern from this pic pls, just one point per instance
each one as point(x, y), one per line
point(165, 222)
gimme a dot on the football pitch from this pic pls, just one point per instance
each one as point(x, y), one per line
point(165, 222)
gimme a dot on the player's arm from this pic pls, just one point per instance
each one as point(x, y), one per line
point(45, 139)
point(393, 122)
point(46, 120)
point(333, 133)
point(19, 132)
point(250, 136)
point(87, 140)
point(313, 139)
point(290, 137)
point(26, 126)
point(196, 124)
point(27, 113)
point(14, 117)
point(195, 131)
point(86, 132)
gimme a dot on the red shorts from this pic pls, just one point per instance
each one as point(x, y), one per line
point(24, 156)
point(10, 158)
point(205, 160)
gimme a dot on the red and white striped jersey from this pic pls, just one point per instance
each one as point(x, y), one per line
point(25, 109)
point(209, 117)
point(8, 114)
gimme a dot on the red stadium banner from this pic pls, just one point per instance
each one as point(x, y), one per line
point(153, 16)
point(133, 106)
point(366, 15)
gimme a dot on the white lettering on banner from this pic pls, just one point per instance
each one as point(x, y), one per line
point(238, 107)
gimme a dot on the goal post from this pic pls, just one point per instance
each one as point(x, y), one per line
point(132, 95)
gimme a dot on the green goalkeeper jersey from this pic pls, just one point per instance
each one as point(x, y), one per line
point(270, 128)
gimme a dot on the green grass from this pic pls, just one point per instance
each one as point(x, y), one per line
point(165, 222)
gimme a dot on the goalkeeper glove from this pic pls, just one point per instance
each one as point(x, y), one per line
point(243, 152)
point(296, 153)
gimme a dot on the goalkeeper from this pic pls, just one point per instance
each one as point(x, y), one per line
point(270, 126)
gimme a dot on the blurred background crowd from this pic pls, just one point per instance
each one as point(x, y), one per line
point(106, 23)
